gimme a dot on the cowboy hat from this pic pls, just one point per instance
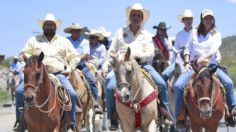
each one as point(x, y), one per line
point(161, 25)
point(207, 12)
point(187, 14)
point(95, 33)
point(103, 31)
point(49, 17)
point(15, 57)
point(73, 26)
point(138, 6)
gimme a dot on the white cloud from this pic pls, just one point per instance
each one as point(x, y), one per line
point(232, 1)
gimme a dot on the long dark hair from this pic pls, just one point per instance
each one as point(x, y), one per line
point(201, 28)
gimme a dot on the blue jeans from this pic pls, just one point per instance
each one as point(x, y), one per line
point(163, 95)
point(64, 81)
point(110, 84)
point(90, 79)
point(183, 80)
point(168, 71)
point(74, 98)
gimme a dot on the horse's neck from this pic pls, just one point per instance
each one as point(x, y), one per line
point(45, 86)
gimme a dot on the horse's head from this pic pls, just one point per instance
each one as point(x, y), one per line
point(124, 74)
point(33, 73)
point(203, 87)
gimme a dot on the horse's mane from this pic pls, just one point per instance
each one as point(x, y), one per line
point(137, 72)
point(205, 74)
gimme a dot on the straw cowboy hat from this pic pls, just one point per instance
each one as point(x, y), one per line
point(95, 33)
point(103, 31)
point(138, 6)
point(161, 25)
point(73, 26)
point(186, 14)
point(207, 12)
point(50, 17)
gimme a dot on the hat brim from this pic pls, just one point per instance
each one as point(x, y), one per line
point(57, 22)
point(180, 17)
point(156, 27)
point(99, 35)
point(68, 29)
point(144, 11)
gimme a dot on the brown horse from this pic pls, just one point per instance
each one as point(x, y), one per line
point(158, 62)
point(205, 101)
point(136, 99)
point(42, 108)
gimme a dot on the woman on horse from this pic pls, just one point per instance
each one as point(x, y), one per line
point(140, 42)
point(202, 46)
point(58, 51)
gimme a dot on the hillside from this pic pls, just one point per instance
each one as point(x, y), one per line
point(228, 53)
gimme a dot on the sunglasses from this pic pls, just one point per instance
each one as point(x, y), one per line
point(92, 37)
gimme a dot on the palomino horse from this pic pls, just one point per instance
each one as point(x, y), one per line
point(136, 99)
point(12, 82)
point(87, 116)
point(42, 108)
point(205, 101)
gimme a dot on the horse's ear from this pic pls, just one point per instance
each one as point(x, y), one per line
point(127, 54)
point(213, 70)
point(41, 56)
point(114, 58)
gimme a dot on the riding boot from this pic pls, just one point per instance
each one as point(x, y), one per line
point(168, 119)
point(114, 122)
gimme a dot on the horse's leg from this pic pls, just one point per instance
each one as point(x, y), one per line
point(151, 128)
point(57, 129)
point(195, 128)
point(126, 127)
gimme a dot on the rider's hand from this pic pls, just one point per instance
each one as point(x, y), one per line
point(186, 67)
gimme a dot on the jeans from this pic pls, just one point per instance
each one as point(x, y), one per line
point(90, 79)
point(64, 81)
point(160, 83)
point(168, 71)
point(110, 84)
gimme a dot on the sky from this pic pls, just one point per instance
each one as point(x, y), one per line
point(19, 18)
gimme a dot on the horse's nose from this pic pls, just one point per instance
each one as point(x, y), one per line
point(29, 100)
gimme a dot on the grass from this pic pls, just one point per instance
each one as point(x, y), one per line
point(4, 96)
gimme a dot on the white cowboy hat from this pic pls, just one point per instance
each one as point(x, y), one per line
point(187, 14)
point(138, 6)
point(103, 31)
point(95, 33)
point(207, 12)
point(74, 25)
point(50, 17)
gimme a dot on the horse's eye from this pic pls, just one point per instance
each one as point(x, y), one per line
point(37, 76)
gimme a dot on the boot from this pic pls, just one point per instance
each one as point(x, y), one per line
point(168, 119)
point(114, 122)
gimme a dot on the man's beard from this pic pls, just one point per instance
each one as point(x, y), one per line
point(49, 33)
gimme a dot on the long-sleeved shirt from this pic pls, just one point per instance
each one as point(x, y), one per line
point(79, 44)
point(58, 53)
point(198, 46)
point(140, 44)
point(98, 52)
point(15, 67)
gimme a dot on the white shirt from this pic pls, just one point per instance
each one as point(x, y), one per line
point(198, 46)
point(141, 44)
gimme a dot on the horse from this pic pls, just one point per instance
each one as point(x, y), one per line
point(136, 98)
point(42, 110)
point(205, 101)
point(12, 82)
point(158, 62)
point(87, 117)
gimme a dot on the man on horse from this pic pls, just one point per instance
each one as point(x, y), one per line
point(140, 42)
point(60, 58)
point(106, 41)
point(181, 39)
point(202, 46)
point(83, 47)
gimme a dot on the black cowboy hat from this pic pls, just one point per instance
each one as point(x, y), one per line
point(161, 25)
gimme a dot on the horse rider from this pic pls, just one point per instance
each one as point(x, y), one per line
point(180, 40)
point(140, 42)
point(58, 52)
point(82, 46)
point(106, 41)
point(202, 46)
point(161, 42)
